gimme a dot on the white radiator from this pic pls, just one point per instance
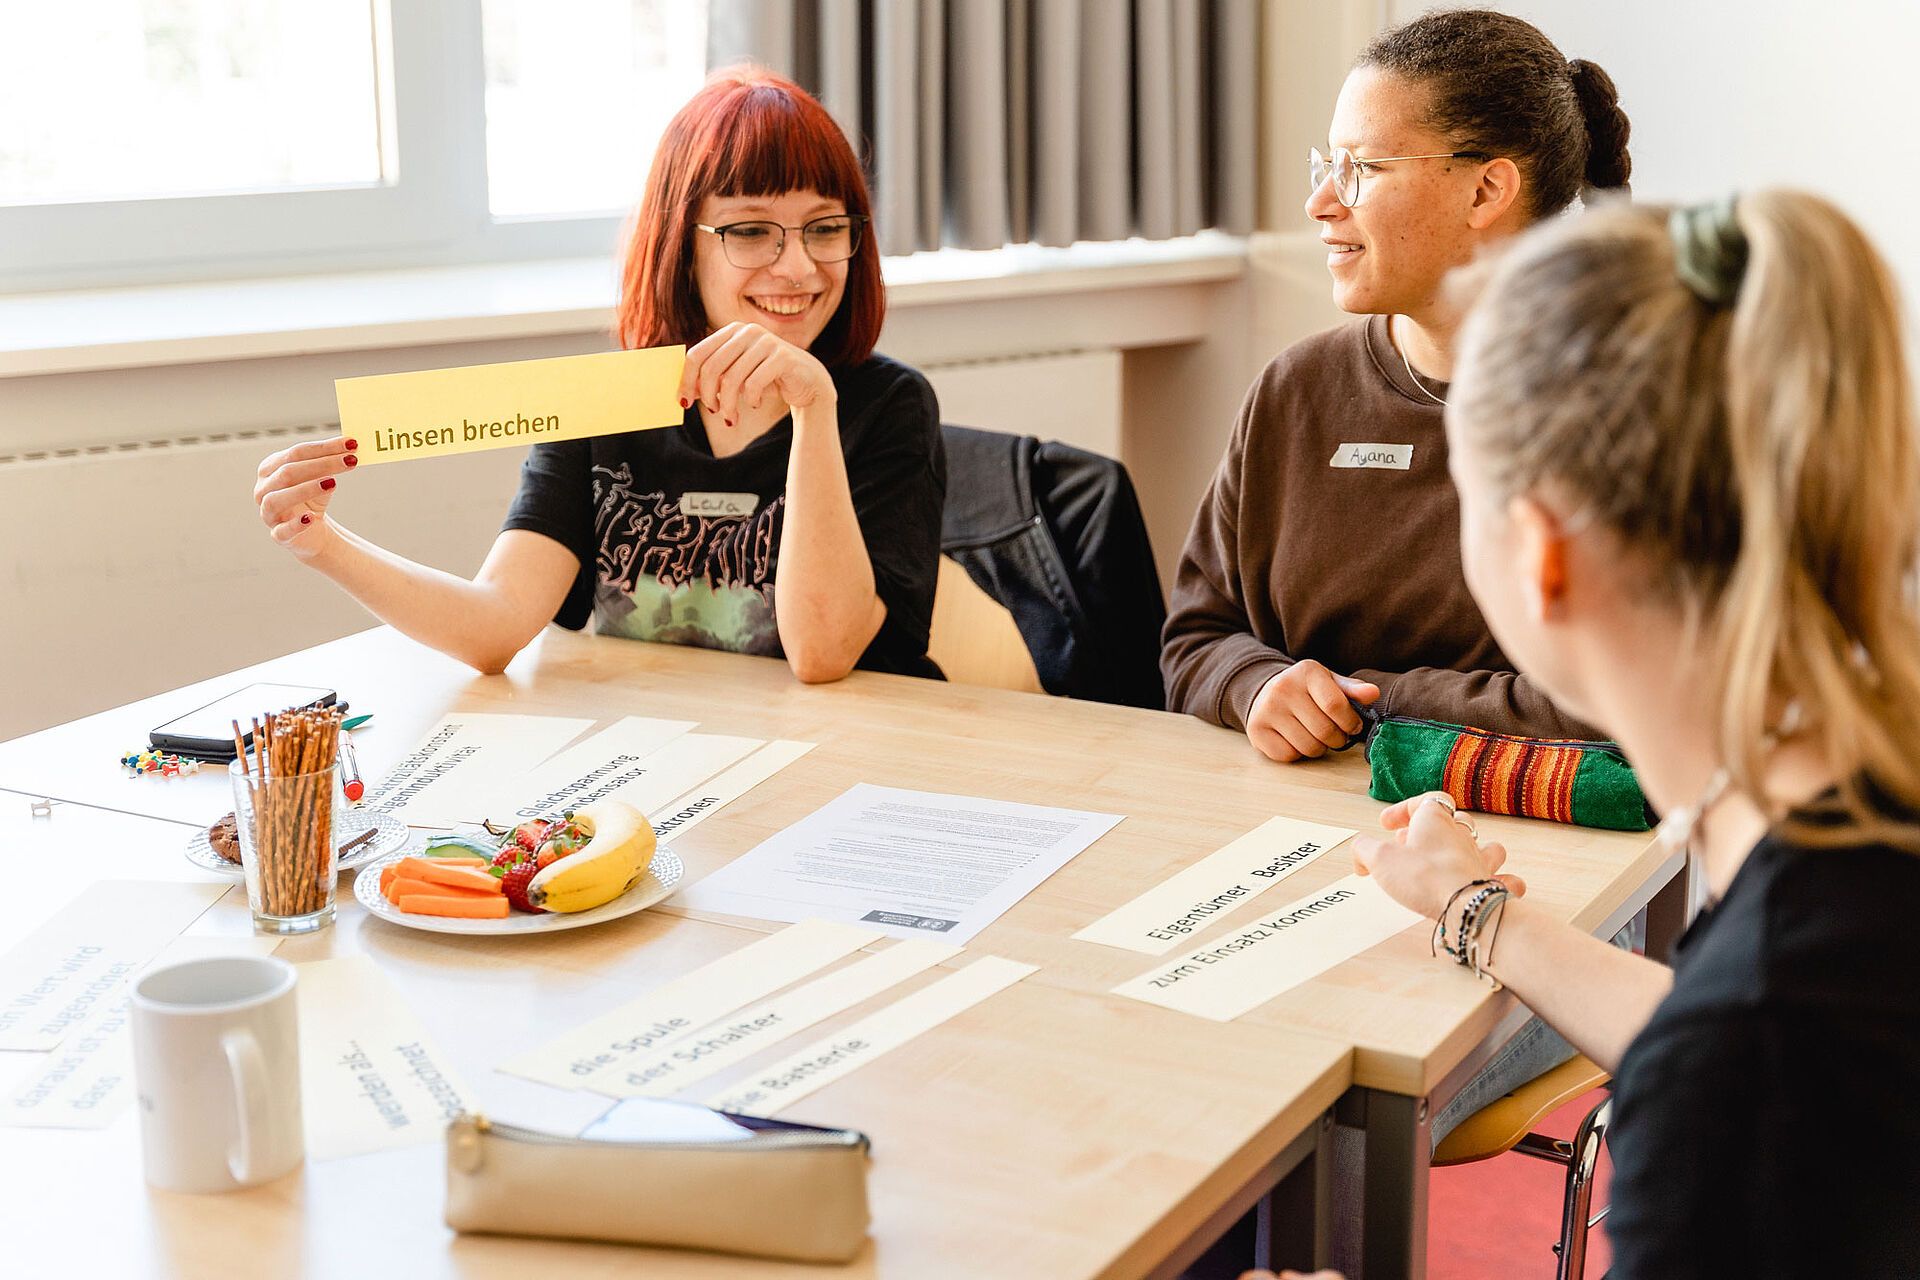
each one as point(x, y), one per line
point(134, 569)
point(128, 569)
point(1073, 396)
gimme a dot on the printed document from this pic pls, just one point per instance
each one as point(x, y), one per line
point(904, 862)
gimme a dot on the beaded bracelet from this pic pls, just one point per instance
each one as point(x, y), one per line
point(1470, 914)
point(1486, 907)
point(1439, 942)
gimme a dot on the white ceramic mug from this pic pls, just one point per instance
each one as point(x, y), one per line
point(216, 1060)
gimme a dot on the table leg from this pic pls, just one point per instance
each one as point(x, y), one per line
point(1296, 1219)
point(1382, 1179)
point(1667, 914)
point(1279, 1219)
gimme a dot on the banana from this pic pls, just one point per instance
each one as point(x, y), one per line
point(618, 851)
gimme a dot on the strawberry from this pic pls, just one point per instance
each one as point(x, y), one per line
point(514, 882)
point(528, 835)
point(561, 840)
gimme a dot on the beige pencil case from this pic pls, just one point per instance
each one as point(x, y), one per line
point(788, 1191)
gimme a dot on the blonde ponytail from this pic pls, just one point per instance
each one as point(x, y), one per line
point(1820, 428)
point(1757, 442)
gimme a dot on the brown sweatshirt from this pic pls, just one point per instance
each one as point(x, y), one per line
point(1332, 531)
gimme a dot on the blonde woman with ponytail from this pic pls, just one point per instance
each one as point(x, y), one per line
point(1690, 498)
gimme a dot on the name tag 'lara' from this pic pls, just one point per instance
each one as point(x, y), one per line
point(719, 504)
point(1393, 457)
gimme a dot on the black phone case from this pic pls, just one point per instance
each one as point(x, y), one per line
point(216, 748)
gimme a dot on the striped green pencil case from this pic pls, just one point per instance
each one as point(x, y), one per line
point(1589, 784)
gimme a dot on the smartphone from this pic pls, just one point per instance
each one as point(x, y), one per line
point(206, 733)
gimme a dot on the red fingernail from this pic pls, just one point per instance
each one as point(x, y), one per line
point(306, 519)
point(684, 402)
point(328, 483)
point(351, 461)
point(352, 445)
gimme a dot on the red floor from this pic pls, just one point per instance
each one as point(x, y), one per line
point(1499, 1219)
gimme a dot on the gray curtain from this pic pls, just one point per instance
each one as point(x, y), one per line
point(987, 122)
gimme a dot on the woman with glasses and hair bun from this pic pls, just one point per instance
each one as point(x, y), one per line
point(1320, 570)
point(807, 473)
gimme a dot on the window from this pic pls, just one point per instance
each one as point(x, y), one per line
point(170, 139)
point(188, 97)
point(578, 95)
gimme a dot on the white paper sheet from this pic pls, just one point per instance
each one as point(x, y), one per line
point(739, 1036)
point(827, 1059)
point(451, 776)
point(1280, 950)
point(727, 786)
point(88, 1080)
point(905, 862)
point(592, 769)
point(370, 1077)
point(680, 766)
point(604, 1048)
point(1199, 896)
point(56, 977)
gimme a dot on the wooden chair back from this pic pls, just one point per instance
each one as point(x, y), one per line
point(974, 638)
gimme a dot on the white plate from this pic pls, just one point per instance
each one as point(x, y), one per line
point(655, 885)
point(391, 836)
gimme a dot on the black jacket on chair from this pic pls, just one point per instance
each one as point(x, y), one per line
point(1055, 534)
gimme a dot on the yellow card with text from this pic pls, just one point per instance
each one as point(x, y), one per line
point(434, 412)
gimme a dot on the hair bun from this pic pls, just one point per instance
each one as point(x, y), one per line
point(1608, 164)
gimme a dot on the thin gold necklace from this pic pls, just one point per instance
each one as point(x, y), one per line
point(1410, 373)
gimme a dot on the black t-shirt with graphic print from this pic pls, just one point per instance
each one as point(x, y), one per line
point(678, 546)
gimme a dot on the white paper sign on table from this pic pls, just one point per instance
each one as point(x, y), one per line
point(592, 769)
point(727, 786)
point(741, 1035)
point(464, 759)
point(681, 765)
point(1188, 901)
point(1276, 952)
point(55, 978)
point(827, 1059)
point(88, 1080)
point(604, 1048)
point(370, 1077)
point(907, 862)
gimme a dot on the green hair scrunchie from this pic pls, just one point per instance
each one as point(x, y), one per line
point(1709, 250)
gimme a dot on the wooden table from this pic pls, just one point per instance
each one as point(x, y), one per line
point(1088, 1155)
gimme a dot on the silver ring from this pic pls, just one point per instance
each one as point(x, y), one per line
point(1446, 802)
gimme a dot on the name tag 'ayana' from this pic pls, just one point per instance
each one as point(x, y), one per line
point(1393, 457)
point(719, 504)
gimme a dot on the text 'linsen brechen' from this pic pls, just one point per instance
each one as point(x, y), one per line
point(387, 440)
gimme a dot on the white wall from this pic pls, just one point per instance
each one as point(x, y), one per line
point(1732, 94)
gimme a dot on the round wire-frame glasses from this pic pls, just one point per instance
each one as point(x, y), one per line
point(755, 244)
point(1347, 169)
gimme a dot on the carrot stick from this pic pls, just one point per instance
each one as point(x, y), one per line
point(470, 906)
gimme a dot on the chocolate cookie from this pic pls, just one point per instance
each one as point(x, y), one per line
point(224, 836)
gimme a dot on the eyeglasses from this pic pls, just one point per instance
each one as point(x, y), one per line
point(752, 245)
point(1347, 168)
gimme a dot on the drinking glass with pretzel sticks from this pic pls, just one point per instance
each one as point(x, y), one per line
point(287, 803)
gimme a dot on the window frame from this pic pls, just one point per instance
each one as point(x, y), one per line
point(435, 211)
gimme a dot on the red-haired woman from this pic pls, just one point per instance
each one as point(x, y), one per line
point(807, 471)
